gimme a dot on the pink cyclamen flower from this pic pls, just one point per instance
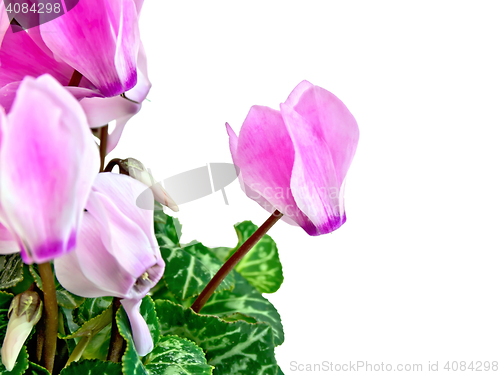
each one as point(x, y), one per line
point(48, 161)
point(117, 253)
point(295, 160)
point(101, 41)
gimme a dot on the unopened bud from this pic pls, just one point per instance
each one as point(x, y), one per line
point(24, 312)
point(137, 171)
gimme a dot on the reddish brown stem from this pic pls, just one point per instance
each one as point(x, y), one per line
point(103, 146)
point(75, 79)
point(234, 260)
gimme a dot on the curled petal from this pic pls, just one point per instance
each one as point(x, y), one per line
point(48, 161)
point(117, 253)
point(142, 337)
point(313, 183)
point(100, 39)
point(265, 156)
point(331, 120)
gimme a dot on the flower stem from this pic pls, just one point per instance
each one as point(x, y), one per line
point(234, 260)
point(75, 79)
point(51, 315)
point(103, 145)
point(122, 165)
point(116, 343)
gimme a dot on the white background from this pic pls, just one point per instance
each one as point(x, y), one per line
point(413, 276)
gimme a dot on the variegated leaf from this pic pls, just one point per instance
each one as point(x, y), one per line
point(93, 367)
point(261, 266)
point(190, 268)
point(245, 299)
point(234, 348)
point(175, 355)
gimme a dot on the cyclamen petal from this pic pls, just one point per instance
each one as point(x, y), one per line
point(4, 21)
point(48, 161)
point(117, 254)
point(142, 337)
point(8, 243)
point(100, 39)
point(295, 160)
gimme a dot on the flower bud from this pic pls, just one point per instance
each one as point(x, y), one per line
point(137, 171)
point(24, 312)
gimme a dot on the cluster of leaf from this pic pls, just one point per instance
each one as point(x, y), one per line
point(235, 332)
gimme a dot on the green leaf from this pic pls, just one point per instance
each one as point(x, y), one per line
point(222, 253)
point(245, 299)
point(190, 268)
point(167, 228)
point(35, 369)
point(238, 316)
point(95, 334)
point(233, 348)
point(11, 270)
point(21, 364)
point(148, 312)
point(93, 307)
point(261, 266)
point(25, 283)
point(67, 299)
point(176, 356)
point(98, 347)
point(280, 372)
point(93, 367)
point(132, 364)
point(5, 300)
point(93, 326)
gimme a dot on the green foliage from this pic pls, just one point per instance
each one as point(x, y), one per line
point(190, 268)
point(93, 367)
point(11, 270)
point(177, 356)
point(5, 300)
point(261, 266)
point(35, 369)
point(245, 299)
point(232, 347)
point(235, 333)
point(167, 228)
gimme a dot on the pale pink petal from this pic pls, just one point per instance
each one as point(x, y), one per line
point(70, 275)
point(91, 257)
point(252, 194)
point(331, 120)
point(139, 92)
point(8, 94)
point(4, 21)
point(102, 111)
point(48, 161)
point(100, 39)
point(265, 156)
point(297, 92)
point(314, 184)
point(8, 243)
point(131, 227)
point(140, 331)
